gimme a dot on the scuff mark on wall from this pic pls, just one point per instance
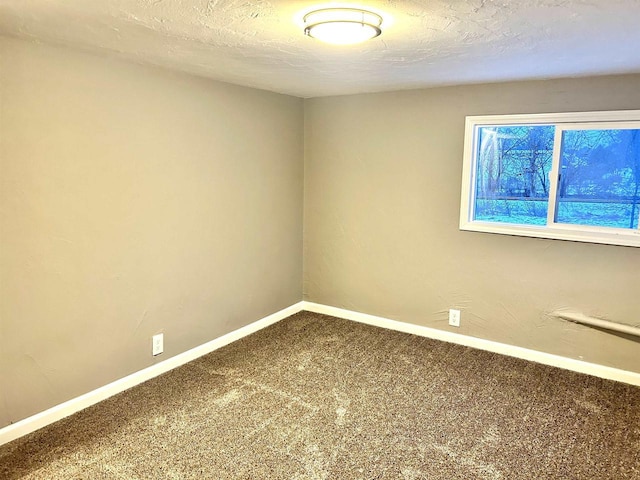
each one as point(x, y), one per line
point(42, 372)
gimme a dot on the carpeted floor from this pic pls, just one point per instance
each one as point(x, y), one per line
point(314, 397)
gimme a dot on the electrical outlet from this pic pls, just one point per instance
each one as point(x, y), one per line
point(158, 344)
point(454, 318)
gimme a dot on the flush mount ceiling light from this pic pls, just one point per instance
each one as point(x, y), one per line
point(342, 26)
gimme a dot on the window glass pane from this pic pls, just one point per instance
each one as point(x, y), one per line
point(599, 178)
point(512, 173)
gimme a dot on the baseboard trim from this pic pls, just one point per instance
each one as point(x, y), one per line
point(58, 412)
point(579, 366)
point(53, 414)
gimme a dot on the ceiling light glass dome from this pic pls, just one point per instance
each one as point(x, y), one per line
point(342, 26)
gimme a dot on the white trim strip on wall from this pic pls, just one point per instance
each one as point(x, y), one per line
point(577, 317)
point(53, 414)
point(579, 366)
point(39, 420)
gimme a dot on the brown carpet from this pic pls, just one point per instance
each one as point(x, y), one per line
point(314, 397)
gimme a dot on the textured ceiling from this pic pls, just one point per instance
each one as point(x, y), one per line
point(259, 43)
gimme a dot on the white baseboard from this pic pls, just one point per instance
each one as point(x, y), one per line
point(42, 419)
point(579, 366)
point(53, 414)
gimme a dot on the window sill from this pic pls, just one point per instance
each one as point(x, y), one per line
point(626, 238)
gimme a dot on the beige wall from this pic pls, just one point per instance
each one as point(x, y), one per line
point(134, 201)
point(382, 199)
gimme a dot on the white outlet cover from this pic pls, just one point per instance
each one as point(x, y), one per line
point(158, 344)
point(454, 318)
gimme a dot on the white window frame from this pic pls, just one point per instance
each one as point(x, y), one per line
point(552, 230)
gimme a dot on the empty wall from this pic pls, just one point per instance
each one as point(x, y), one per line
point(382, 198)
point(134, 201)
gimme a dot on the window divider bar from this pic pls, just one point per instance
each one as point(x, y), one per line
point(554, 177)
